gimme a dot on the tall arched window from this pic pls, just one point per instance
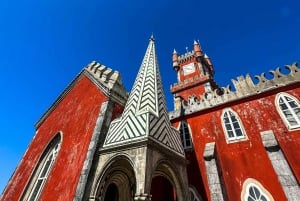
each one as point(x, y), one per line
point(289, 109)
point(42, 170)
point(232, 126)
point(185, 135)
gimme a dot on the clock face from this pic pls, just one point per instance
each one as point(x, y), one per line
point(188, 69)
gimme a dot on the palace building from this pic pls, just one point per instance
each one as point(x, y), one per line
point(97, 142)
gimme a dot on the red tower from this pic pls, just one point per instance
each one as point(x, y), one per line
point(244, 141)
point(66, 137)
point(194, 74)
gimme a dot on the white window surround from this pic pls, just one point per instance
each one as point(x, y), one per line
point(253, 190)
point(185, 135)
point(288, 108)
point(232, 126)
point(42, 170)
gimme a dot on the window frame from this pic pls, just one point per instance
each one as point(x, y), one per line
point(42, 169)
point(235, 137)
point(183, 138)
point(253, 183)
point(291, 110)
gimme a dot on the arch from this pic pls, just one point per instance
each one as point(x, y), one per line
point(42, 170)
point(162, 189)
point(288, 108)
point(232, 126)
point(118, 176)
point(112, 193)
point(169, 171)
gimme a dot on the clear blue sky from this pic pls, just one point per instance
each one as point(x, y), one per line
point(45, 44)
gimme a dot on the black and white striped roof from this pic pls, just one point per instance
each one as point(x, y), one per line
point(145, 115)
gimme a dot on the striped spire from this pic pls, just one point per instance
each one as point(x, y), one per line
point(145, 114)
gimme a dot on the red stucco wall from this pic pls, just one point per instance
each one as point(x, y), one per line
point(241, 160)
point(75, 116)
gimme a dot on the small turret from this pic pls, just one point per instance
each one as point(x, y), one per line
point(207, 59)
point(197, 49)
point(175, 61)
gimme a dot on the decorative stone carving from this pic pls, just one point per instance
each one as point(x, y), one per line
point(244, 87)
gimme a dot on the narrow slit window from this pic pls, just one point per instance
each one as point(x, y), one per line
point(185, 135)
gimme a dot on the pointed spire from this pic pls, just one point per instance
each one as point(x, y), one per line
point(152, 37)
point(197, 49)
point(145, 114)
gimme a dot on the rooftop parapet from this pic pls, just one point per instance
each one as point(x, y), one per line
point(186, 56)
point(105, 78)
point(244, 87)
point(108, 80)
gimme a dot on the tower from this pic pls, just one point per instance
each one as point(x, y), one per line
point(194, 74)
point(242, 142)
point(61, 151)
point(142, 157)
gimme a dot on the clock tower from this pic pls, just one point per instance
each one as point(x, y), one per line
point(194, 75)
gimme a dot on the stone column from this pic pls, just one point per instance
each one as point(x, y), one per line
point(213, 179)
point(281, 166)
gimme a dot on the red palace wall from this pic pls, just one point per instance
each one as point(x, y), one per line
point(75, 116)
point(238, 161)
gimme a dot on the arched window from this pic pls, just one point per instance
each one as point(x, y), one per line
point(289, 109)
point(194, 195)
point(254, 191)
point(185, 135)
point(232, 126)
point(42, 170)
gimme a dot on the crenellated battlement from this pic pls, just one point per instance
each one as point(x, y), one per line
point(105, 78)
point(244, 87)
point(187, 56)
point(109, 80)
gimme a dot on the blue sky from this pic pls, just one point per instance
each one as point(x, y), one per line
point(45, 44)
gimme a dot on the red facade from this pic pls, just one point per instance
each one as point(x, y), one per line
point(235, 161)
point(75, 117)
point(263, 153)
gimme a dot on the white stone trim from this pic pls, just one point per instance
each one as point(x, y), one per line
point(283, 95)
point(235, 138)
point(249, 185)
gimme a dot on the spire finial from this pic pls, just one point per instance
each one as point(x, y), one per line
point(187, 49)
point(152, 37)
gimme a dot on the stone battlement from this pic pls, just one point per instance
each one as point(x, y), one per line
point(109, 80)
point(244, 87)
point(186, 56)
point(105, 78)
